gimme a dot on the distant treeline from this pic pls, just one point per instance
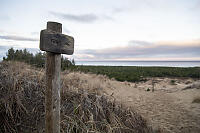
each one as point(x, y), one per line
point(37, 59)
point(137, 73)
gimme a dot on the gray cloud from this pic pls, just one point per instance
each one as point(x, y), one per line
point(83, 18)
point(145, 50)
point(118, 10)
point(17, 38)
point(86, 18)
point(139, 43)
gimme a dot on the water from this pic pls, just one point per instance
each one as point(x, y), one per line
point(141, 63)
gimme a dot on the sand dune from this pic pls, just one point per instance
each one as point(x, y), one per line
point(168, 109)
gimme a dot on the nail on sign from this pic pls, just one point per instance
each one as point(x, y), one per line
point(56, 42)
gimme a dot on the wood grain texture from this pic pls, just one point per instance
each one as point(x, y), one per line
point(56, 42)
point(52, 96)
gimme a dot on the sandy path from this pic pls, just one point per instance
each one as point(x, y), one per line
point(168, 108)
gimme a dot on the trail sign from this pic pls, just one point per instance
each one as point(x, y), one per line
point(54, 43)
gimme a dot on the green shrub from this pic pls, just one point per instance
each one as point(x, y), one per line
point(136, 74)
point(173, 82)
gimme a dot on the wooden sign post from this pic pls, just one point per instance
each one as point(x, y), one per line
point(55, 44)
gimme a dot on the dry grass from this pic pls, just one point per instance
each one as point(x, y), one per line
point(83, 107)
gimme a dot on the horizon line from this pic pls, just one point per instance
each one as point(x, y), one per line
point(140, 60)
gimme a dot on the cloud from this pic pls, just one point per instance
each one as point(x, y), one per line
point(82, 18)
point(139, 43)
point(86, 18)
point(17, 38)
point(118, 10)
point(142, 49)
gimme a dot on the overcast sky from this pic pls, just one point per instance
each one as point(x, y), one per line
point(107, 29)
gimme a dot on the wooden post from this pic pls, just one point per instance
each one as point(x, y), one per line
point(52, 97)
point(54, 43)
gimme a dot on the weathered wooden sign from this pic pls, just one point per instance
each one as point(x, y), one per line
point(56, 42)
